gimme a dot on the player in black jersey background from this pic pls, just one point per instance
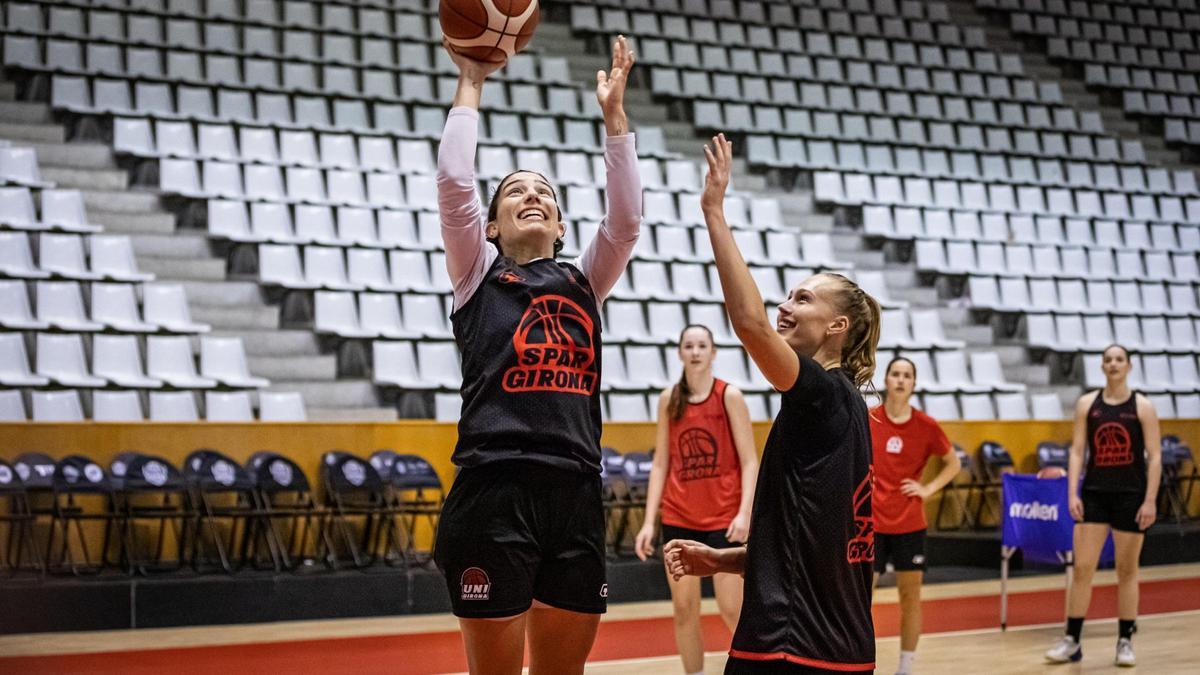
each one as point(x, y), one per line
point(1118, 428)
point(807, 597)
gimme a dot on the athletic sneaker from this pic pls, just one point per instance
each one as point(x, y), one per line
point(1125, 655)
point(1066, 649)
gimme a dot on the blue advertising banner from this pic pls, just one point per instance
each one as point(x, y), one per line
point(1037, 518)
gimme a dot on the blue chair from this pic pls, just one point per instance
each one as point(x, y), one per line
point(1053, 455)
point(149, 488)
point(19, 519)
point(225, 492)
point(358, 513)
point(291, 511)
point(82, 493)
point(416, 493)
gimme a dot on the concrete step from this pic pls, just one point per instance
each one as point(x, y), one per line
point(180, 269)
point(863, 260)
point(275, 342)
point(1012, 356)
point(46, 133)
point(915, 296)
point(953, 315)
point(123, 201)
point(24, 112)
point(8, 91)
point(86, 179)
point(246, 320)
point(900, 277)
point(160, 223)
point(74, 155)
point(1030, 374)
point(848, 241)
point(275, 368)
point(222, 294)
point(346, 393)
point(974, 336)
point(175, 246)
point(352, 414)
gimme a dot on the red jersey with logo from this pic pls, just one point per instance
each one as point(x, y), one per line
point(1116, 460)
point(704, 479)
point(900, 451)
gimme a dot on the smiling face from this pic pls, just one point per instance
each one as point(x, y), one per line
point(1115, 363)
point(696, 349)
point(900, 380)
point(808, 317)
point(524, 214)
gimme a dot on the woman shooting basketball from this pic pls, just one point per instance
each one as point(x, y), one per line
point(903, 439)
point(521, 540)
point(703, 477)
point(807, 604)
point(1119, 429)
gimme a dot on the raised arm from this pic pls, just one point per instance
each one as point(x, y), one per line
point(743, 301)
point(604, 259)
point(467, 253)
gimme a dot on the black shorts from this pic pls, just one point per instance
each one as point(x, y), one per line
point(714, 538)
point(514, 532)
point(905, 551)
point(1118, 510)
point(736, 666)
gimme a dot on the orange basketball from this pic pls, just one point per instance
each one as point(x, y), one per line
point(488, 30)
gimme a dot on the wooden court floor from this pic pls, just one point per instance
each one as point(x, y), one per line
point(961, 636)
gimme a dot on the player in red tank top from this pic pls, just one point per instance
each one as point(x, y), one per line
point(902, 441)
point(1117, 433)
point(705, 465)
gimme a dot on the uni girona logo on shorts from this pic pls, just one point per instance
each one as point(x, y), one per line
point(475, 584)
point(554, 349)
point(861, 547)
point(1112, 445)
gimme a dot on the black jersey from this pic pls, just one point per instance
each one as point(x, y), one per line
point(807, 597)
point(1116, 447)
point(530, 343)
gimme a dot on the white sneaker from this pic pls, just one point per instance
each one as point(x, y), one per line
point(1066, 649)
point(1125, 655)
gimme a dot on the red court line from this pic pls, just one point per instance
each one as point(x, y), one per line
point(424, 653)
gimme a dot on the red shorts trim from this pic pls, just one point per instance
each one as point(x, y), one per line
point(816, 663)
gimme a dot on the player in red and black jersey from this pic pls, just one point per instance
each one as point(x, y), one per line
point(807, 597)
point(703, 473)
point(904, 439)
point(1118, 428)
point(521, 539)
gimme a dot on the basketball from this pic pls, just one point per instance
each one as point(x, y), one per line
point(488, 30)
point(1052, 472)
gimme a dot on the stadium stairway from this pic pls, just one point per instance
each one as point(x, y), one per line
point(291, 359)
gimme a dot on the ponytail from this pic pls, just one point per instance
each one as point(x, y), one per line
point(682, 391)
point(858, 352)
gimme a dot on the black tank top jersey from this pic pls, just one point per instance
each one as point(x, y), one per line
point(1116, 447)
point(530, 343)
point(807, 597)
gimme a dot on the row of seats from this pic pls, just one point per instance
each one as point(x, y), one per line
point(1104, 52)
point(373, 18)
point(18, 166)
point(852, 188)
point(409, 50)
point(117, 361)
point(1179, 34)
point(112, 307)
point(738, 30)
point(775, 13)
point(163, 406)
point(1070, 262)
point(56, 209)
point(165, 100)
point(892, 158)
point(1075, 296)
point(913, 223)
point(100, 256)
point(1094, 332)
point(1169, 14)
point(1151, 373)
point(942, 126)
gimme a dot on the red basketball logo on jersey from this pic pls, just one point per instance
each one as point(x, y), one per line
point(698, 448)
point(1112, 445)
point(475, 584)
point(861, 548)
point(554, 349)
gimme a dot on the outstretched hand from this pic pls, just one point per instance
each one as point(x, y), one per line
point(610, 87)
point(471, 69)
point(684, 557)
point(720, 168)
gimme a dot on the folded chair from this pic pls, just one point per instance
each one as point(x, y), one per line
point(82, 494)
point(229, 514)
point(292, 513)
point(17, 519)
point(148, 489)
point(359, 514)
point(416, 494)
